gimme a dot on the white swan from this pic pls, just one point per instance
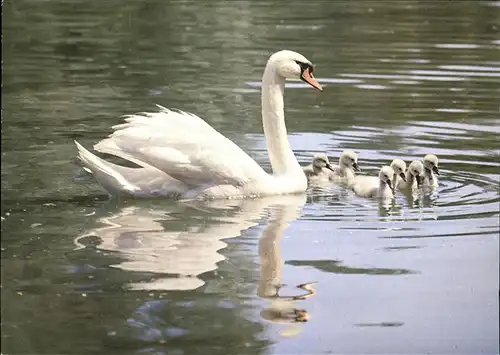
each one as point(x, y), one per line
point(381, 187)
point(431, 165)
point(196, 160)
point(414, 177)
point(319, 170)
point(345, 172)
point(399, 167)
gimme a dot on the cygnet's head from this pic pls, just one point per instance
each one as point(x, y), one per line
point(431, 163)
point(399, 167)
point(350, 159)
point(416, 169)
point(386, 175)
point(320, 160)
point(293, 65)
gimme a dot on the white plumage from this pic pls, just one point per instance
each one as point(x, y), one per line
point(183, 146)
point(414, 176)
point(121, 180)
point(183, 156)
point(345, 171)
point(431, 165)
point(399, 167)
point(320, 170)
point(380, 187)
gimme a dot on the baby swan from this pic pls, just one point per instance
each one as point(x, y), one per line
point(431, 165)
point(399, 167)
point(345, 171)
point(320, 169)
point(381, 187)
point(414, 176)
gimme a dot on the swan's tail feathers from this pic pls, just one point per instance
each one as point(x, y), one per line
point(108, 146)
point(104, 172)
point(164, 109)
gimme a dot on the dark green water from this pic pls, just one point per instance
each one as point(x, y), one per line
point(82, 274)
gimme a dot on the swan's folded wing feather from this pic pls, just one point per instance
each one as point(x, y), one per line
point(182, 145)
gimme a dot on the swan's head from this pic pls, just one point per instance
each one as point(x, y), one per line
point(416, 169)
point(320, 160)
point(386, 175)
point(399, 167)
point(431, 163)
point(293, 65)
point(350, 159)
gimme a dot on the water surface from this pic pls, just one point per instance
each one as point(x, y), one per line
point(325, 272)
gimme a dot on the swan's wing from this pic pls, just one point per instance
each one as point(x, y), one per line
point(183, 146)
point(118, 180)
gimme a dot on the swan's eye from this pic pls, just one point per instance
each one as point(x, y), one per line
point(305, 66)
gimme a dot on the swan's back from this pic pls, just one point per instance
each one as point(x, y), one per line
point(370, 186)
point(365, 186)
point(183, 146)
point(317, 177)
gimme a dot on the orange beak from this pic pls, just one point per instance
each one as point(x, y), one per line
point(309, 78)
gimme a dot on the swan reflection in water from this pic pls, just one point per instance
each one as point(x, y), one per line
point(282, 308)
point(179, 257)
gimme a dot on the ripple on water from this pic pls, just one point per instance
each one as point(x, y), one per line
point(373, 87)
point(337, 267)
point(404, 77)
point(473, 68)
point(467, 198)
point(445, 73)
point(468, 193)
point(453, 110)
point(457, 45)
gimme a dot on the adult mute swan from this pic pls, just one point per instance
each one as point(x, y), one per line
point(190, 159)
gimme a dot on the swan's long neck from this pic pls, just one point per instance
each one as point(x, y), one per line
point(281, 155)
